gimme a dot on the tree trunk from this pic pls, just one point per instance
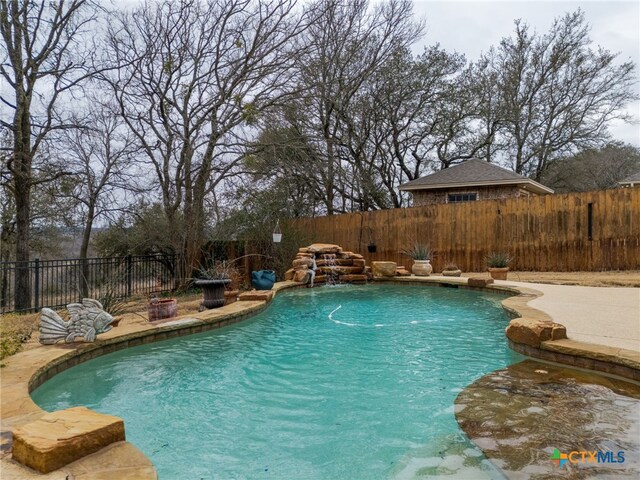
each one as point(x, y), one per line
point(329, 194)
point(84, 248)
point(22, 186)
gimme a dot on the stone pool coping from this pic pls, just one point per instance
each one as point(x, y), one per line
point(25, 371)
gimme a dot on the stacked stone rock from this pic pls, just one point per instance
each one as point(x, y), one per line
point(332, 263)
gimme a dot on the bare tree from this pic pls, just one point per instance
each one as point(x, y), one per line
point(195, 78)
point(558, 94)
point(42, 62)
point(593, 169)
point(347, 43)
point(99, 156)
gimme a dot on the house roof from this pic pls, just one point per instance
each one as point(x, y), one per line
point(631, 179)
point(473, 173)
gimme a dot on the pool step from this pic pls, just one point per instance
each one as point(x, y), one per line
point(62, 437)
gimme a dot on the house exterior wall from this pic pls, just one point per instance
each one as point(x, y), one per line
point(494, 192)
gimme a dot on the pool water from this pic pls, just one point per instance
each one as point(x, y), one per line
point(346, 382)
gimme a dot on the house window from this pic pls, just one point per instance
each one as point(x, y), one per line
point(462, 197)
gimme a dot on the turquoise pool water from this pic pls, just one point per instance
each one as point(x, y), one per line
point(347, 382)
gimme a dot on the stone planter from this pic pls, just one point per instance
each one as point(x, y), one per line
point(161, 309)
point(213, 292)
point(452, 273)
point(422, 268)
point(498, 273)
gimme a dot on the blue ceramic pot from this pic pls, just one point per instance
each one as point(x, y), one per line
point(263, 279)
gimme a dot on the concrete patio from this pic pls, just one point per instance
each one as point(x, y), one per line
point(602, 316)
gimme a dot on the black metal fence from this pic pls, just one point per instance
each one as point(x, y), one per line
point(56, 283)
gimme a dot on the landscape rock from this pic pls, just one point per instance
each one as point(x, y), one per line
point(479, 282)
point(288, 275)
point(403, 272)
point(341, 270)
point(323, 248)
point(345, 262)
point(62, 437)
point(256, 295)
point(301, 276)
point(354, 278)
point(532, 332)
point(303, 261)
point(384, 269)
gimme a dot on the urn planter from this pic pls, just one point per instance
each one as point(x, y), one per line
point(422, 268)
point(498, 273)
point(213, 292)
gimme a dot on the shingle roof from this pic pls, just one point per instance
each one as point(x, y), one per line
point(634, 178)
point(473, 173)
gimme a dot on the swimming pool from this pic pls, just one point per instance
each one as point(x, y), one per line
point(347, 382)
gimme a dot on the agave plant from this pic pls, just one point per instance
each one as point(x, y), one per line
point(220, 270)
point(418, 251)
point(498, 259)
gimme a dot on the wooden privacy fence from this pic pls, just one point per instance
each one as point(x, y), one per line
point(589, 231)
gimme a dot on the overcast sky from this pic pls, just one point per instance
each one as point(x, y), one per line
point(471, 27)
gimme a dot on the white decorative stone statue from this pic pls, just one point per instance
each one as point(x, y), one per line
point(88, 319)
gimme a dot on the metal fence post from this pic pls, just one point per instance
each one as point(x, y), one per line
point(36, 303)
point(129, 275)
point(174, 265)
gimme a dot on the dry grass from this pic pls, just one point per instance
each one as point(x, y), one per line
point(588, 279)
point(20, 331)
point(15, 331)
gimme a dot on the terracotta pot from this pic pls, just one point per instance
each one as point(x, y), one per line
point(160, 309)
point(499, 273)
point(422, 268)
point(213, 292)
point(452, 273)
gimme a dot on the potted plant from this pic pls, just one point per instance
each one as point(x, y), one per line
point(161, 308)
point(498, 264)
point(421, 255)
point(213, 282)
point(451, 270)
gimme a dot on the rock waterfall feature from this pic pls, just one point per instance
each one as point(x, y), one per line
point(326, 263)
